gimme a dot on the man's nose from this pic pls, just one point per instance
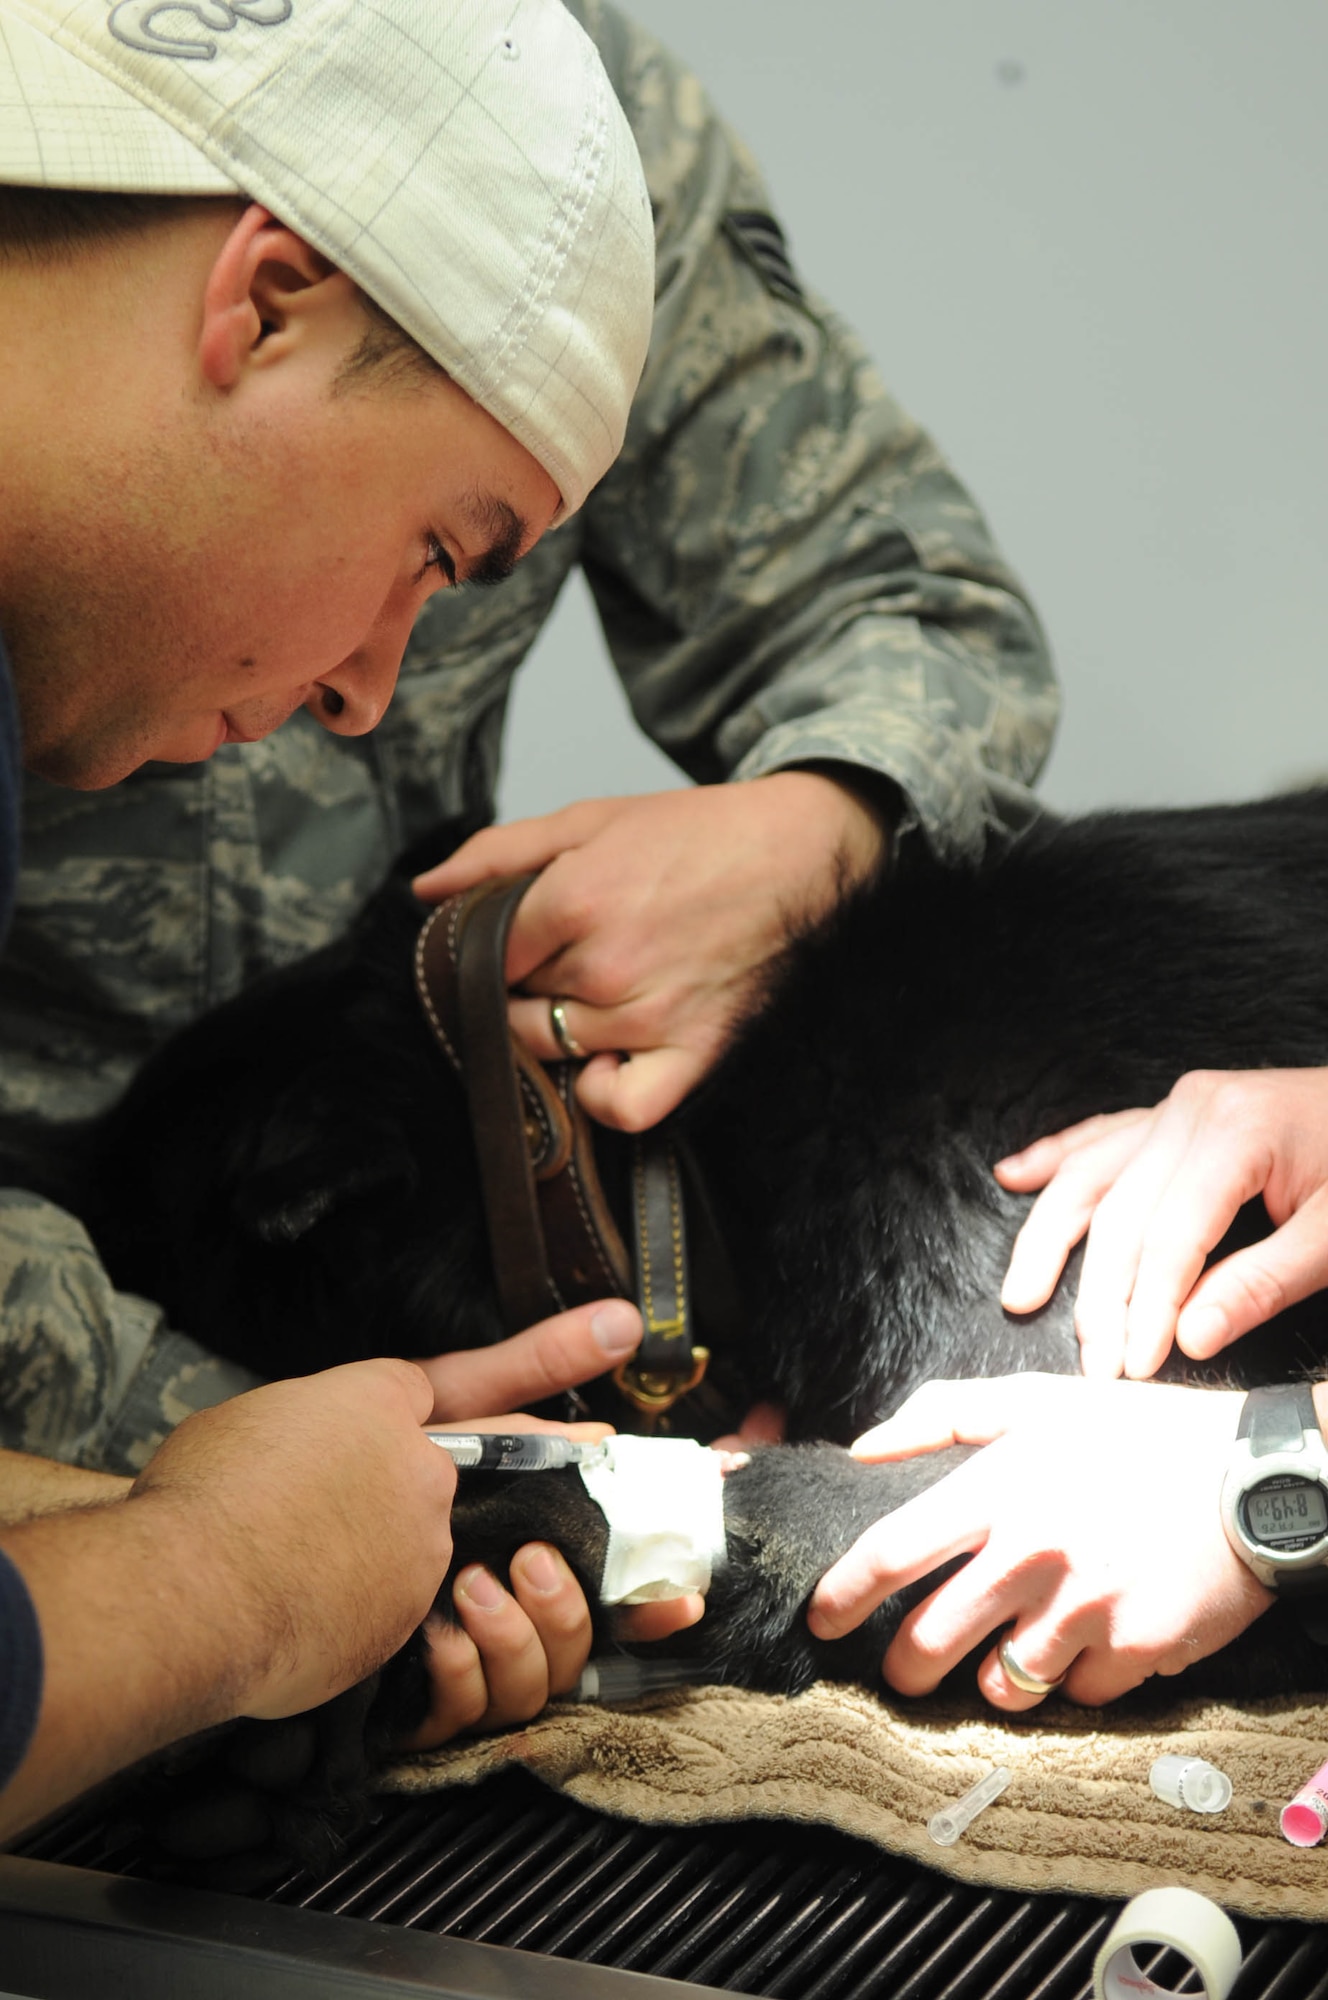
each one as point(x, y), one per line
point(351, 699)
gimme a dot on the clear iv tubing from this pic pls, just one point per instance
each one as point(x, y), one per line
point(946, 1826)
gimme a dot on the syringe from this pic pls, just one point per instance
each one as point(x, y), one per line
point(513, 1451)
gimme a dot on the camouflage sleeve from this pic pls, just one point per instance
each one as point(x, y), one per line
point(786, 568)
point(88, 1375)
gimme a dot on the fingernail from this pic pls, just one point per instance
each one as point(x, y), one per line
point(481, 1588)
point(540, 1568)
point(616, 1327)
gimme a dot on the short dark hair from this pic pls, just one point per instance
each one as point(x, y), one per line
point(387, 355)
point(45, 225)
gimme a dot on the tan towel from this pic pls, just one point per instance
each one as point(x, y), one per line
point(1078, 1814)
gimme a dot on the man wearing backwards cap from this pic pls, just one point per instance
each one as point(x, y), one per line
point(795, 589)
point(227, 486)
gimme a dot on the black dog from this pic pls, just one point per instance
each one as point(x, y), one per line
point(293, 1176)
point(293, 1179)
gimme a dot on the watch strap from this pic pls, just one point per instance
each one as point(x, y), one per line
point(1312, 1616)
point(1303, 1582)
point(1276, 1418)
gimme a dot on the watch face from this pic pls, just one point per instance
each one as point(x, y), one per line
point(1285, 1513)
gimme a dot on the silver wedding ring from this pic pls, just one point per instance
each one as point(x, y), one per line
point(560, 1031)
point(1026, 1682)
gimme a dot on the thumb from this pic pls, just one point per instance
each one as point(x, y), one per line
point(1254, 1285)
point(413, 1381)
point(555, 1355)
point(631, 1096)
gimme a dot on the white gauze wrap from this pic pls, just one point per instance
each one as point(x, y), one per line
point(663, 1499)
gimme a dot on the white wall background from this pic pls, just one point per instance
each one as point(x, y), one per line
point(1085, 240)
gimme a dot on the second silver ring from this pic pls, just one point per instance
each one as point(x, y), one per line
point(561, 1033)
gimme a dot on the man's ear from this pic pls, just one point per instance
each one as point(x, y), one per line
point(261, 294)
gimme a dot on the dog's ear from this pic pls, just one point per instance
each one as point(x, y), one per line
point(323, 1145)
point(285, 1203)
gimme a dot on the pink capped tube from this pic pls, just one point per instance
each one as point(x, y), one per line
point(1305, 1820)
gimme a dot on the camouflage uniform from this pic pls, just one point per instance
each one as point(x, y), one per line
point(786, 570)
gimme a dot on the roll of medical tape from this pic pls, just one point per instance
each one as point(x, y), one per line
point(1181, 1919)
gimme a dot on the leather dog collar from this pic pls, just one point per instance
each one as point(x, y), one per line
point(553, 1239)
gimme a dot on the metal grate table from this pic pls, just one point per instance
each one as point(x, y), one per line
point(798, 1912)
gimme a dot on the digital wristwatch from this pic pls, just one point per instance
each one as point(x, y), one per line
point(1275, 1493)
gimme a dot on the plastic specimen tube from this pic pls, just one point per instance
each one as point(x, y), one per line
point(1191, 1782)
point(946, 1826)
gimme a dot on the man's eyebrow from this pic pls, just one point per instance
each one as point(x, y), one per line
point(503, 530)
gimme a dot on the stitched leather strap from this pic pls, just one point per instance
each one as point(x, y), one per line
point(666, 1364)
point(477, 934)
point(661, 1251)
point(552, 1237)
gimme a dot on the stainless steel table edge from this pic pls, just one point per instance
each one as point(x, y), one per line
point(66, 1933)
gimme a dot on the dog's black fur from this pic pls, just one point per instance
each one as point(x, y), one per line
point(293, 1179)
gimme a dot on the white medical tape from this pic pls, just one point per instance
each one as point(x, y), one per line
point(1181, 1919)
point(663, 1499)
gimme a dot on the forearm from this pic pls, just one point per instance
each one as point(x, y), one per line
point(271, 1553)
point(134, 1584)
point(930, 724)
point(787, 570)
point(831, 641)
point(31, 1487)
point(849, 820)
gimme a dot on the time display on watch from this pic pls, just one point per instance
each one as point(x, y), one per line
point(1274, 1497)
point(1285, 1512)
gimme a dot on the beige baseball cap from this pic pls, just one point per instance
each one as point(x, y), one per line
point(465, 161)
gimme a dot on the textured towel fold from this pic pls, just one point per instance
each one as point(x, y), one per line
point(1078, 1815)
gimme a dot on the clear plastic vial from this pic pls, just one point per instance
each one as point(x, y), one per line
point(946, 1826)
point(1191, 1782)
